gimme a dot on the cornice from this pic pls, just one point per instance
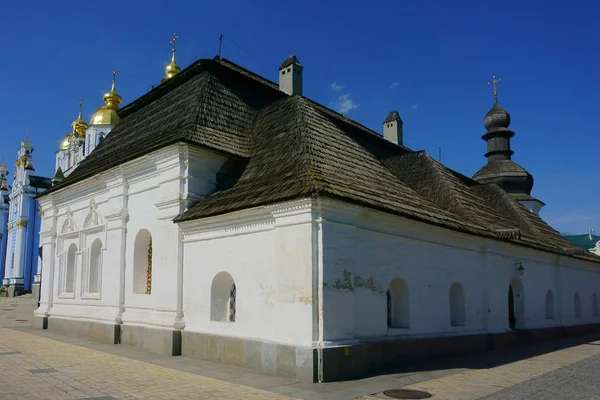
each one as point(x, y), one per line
point(232, 224)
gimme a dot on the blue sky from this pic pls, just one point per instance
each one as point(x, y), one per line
point(429, 60)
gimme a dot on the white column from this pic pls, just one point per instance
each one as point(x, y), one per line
point(8, 264)
point(48, 242)
point(21, 231)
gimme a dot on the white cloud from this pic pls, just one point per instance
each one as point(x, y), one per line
point(344, 104)
point(414, 107)
point(394, 85)
point(336, 88)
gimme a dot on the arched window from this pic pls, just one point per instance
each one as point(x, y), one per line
point(223, 298)
point(549, 305)
point(398, 307)
point(95, 267)
point(594, 305)
point(577, 304)
point(142, 263)
point(70, 269)
point(457, 305)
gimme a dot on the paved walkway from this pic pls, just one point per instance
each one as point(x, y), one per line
point(38, 364)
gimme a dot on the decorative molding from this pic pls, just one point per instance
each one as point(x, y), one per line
point(21, 223)
point(10, 228)
point(290, 208)
point(232, 224)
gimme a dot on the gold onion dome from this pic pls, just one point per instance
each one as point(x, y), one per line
point(79, 126)
point(172, 69)
point(64, 145)
point(107, 114)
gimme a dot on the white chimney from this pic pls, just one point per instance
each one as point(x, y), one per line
point(290, 76)
point(392, 128)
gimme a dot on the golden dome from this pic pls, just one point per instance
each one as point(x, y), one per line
point(79, 126)
point(64, 145)
point(172, 69)
point(107, 114)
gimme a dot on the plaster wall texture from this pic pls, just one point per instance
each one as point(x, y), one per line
point(114, 207)
point(268, 253)
point(364, 250)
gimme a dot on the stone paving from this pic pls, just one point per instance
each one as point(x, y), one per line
point(40, 368)
point(38, 364)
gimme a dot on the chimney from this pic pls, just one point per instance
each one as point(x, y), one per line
point(290, 76)
point(392, 128)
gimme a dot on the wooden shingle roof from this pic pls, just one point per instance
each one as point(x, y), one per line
point(284, 147)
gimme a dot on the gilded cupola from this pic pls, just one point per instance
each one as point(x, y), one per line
point(79, 126)
point(64, 145)
point(107, 114)
point(172, 69)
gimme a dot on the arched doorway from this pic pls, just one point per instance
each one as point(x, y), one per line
point(516, 304)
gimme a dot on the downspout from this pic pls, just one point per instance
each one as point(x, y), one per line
point(318, 264)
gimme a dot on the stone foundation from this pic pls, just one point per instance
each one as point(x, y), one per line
point(35, 292)
point(270, 358)
point(166, 342)
point(100, 332)
point(15, 290)
point(341, 363)
point(303, 363)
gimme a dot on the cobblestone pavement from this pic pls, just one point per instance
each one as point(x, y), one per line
point(561, 364)
point(38, 364)
point(577, 381)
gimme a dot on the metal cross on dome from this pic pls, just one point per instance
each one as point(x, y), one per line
point(493, 82)
point(174, 41)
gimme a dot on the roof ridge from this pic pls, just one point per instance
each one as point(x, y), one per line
point(345, 119)
point(230, 64)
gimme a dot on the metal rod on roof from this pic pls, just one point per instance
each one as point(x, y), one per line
point(220, 44)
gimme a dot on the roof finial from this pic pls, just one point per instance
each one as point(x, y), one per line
point(172, 69)
point(114, 74)
point(80, 108)
point(174, 43)
point(493, 82)
point(112, 99)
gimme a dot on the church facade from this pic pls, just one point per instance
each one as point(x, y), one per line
point(230, 218)
point(20, 223)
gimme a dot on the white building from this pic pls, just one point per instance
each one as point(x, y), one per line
point(230, 218)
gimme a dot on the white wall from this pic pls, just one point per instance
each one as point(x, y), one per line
point(364, 250)
point(146, 193)
point(268, 253)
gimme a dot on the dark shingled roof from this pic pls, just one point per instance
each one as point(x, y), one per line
point(392, 116)
point(284, 147)
point(289, 61)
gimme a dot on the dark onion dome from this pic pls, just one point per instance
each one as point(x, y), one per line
point(496, 119)
point(507, 174)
